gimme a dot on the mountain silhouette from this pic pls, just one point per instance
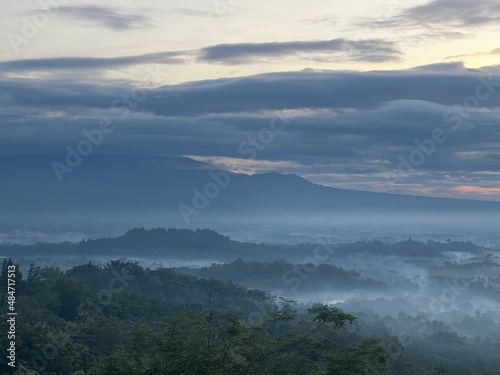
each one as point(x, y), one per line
point(157, 183)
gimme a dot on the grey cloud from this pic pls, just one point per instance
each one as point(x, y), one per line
point(444, 84)
point(462, 13)
point(104, 16)
point(349, 144)
point(368, 51)
point(310, 89)
point(84, 63)
point(241, 53)
point(329, 20)
point(340, 123)
point(192, 12)
point(440, 19)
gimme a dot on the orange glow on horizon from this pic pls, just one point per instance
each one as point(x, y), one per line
point(477, 189)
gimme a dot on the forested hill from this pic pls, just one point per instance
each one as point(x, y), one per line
point(159, 238)
point(123, 319)
point(204, 244)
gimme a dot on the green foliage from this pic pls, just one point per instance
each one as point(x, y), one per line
point(218, 343)
point(123, 319)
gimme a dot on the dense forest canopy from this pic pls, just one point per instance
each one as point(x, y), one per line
point(121, 318)
point(196, 302)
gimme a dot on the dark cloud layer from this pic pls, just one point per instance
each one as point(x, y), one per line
point(444, 84)
point(312, 89)
point(339, 124)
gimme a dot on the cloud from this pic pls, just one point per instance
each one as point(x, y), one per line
point(344, 129)
point(444, 85)
point(243, 53)
point(192, 12)
point(440, 19)
point(477, 189)
point(86, 63)
point(459, 13)
point(247, 166)
point(332, 19)
point(318, 89)
point(476, 54)
point(104, 17)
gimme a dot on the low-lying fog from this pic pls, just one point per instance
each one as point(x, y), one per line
point(459, 287)
point(32, 227)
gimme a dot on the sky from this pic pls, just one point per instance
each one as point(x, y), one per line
point(389, 96)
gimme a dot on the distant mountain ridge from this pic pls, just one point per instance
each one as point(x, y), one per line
point(157, 183)
point(175, 243)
